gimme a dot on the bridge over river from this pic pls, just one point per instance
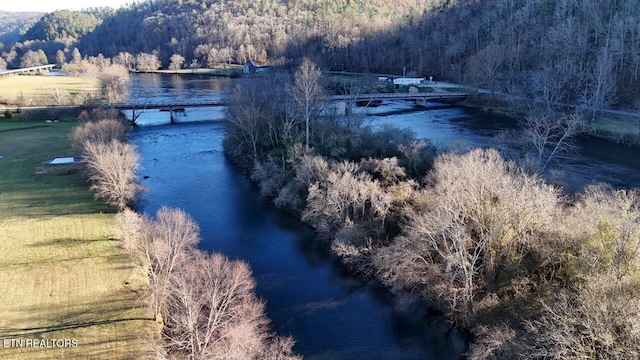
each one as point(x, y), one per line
point(420, 99)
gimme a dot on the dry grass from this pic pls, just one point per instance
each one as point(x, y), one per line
point(62, 276)
point(36, 90)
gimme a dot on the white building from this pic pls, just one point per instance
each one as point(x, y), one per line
point(407, 81)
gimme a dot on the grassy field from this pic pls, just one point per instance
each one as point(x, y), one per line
point(63, 276)
point(36, 90)
point(617, 128)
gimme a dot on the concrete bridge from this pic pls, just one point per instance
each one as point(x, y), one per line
point(34, 69)
point(167, 106)
point(420, 98)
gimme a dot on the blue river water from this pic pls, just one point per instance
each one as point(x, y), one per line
point(308, 294)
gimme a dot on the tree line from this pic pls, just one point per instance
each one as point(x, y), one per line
point(205, 303)
point(530, 271)
point(558, 52)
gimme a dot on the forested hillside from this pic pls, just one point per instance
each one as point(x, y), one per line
point(14, 24)
point(66, 26)
point(570, 51)
point(216, 32)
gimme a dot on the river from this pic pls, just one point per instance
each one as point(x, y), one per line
point(308, 294)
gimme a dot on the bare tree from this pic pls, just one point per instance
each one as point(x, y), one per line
point(31, 58)
point(483, 68)
point(602, 87)
point(112, 172)
point(550, 136)
point(76, 57)
point(113, 81)
point(61, 58)
point(246, 117)
point(130, 226)
point(214, 314)
point(479, 216)
point(417, 157)
point(595, 320)
point(345, 196)
point(147, 62)
point(609, 224)
point(166, 243)
point(98, 132)
point(307, 93)
point(80, 67)
point(125, 59)
point(176, 62)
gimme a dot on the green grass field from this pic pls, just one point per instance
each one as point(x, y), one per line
point(63, 275)
point(36, 90)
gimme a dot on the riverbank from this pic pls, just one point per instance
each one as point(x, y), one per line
point(614, 125)
point(64, 277)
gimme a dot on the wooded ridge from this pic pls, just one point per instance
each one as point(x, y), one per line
point(578, 52)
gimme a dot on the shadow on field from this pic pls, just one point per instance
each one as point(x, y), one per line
point(67, 242)
point(7, 333)
point(69, 252)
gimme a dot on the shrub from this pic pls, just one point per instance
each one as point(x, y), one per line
point(595, 320)
point(8, 114)
point(100, 132)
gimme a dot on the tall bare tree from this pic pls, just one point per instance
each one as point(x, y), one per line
point(214, 314)
point(550, 136)
point(307, 93)
point(61, 58)
point(167, 242)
